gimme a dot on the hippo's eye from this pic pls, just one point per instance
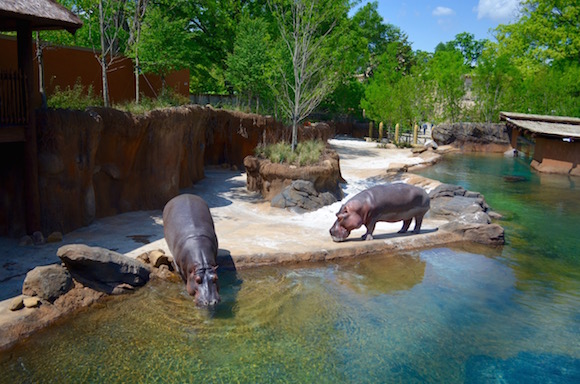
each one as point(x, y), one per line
point(198, 279)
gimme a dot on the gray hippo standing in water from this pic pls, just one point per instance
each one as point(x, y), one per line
point(190, 235)
point(389, 202)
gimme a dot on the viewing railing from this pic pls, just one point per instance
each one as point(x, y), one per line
point(13, 108)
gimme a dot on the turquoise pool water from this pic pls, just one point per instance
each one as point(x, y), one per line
point(468, 314)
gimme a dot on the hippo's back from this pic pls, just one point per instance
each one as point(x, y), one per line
point(398, 196)
point(187, 216)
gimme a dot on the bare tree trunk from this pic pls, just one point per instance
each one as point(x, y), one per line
point(140, 9)
point(103, 58)
point(136, 78)
point(40, 71)
point(299, 30)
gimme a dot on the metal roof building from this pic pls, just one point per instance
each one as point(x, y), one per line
point(557, 140)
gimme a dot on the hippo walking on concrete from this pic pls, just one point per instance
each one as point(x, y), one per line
point(190, 235)
point(389, 202)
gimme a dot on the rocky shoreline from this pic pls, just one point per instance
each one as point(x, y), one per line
point(456, 215)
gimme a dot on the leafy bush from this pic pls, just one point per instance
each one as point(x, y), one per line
point(77, 97)
point(307, 153)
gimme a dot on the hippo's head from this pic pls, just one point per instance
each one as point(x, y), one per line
point(203, 285)
point(347, 219)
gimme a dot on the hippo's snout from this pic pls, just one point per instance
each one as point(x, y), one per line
point(338, 232)
point(208, 303)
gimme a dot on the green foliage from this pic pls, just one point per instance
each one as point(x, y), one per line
point(168, 98)
point(495, 81)
point(364, 62)
point(164, 42)
point(552, 90)
point(345, 100)
point(306, 153)
point(77, 97)
point(447, 71)
point(466, 44)
point(250, 63)
point(547, 31)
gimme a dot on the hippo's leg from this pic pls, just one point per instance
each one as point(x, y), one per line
point(370, 229)
point(406, 225)
point(418, 222)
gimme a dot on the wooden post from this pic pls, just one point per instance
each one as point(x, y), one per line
point(371, 127)
point(397, 133)
point(415, 129)
point(380, 131)
point(31, 191)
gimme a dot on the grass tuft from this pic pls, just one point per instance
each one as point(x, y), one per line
point(307, 153)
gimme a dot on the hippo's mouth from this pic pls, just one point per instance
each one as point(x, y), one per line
point(337, 239)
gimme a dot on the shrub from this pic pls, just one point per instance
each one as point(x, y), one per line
point(77, 97)
point(307, 153)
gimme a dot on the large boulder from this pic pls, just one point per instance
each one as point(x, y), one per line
point(479, 137)
point(467, 213)
point(48, 282)
point(102, 269)
point(301, 195)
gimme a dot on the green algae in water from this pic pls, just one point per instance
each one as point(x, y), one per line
point(439, 315)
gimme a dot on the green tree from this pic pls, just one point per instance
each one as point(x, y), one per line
point(495, 80)
point(309, 33)
point(165, 43)
point(249, 64)
point(469, 47)
point(547, 31)
point(447, 71)
point(211, 27)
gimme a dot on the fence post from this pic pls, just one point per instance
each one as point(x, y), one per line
point(380, 131)
point(397, 133)
point(371, 126)
point(415, 129)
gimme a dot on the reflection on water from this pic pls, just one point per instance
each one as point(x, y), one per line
point(469, 314)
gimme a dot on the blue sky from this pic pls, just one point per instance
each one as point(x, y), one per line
point(429, 22)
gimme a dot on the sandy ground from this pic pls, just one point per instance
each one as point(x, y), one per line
point(250, 232)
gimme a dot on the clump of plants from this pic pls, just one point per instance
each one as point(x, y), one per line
point(306, 153)
point(168, 98)
point(77, 97)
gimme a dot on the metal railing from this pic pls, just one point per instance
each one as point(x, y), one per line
point(13, 101)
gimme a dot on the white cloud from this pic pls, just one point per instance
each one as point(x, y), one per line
point(497, 9)
point(443, 11)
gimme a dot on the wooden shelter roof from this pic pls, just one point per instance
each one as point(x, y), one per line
point(41, 14)
point(553, 126)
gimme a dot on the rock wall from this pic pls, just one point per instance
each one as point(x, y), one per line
point(102, 162)
point(473, 137)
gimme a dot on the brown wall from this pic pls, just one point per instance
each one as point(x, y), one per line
point(553, 155)
point(64, 65)
point(102, 161)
